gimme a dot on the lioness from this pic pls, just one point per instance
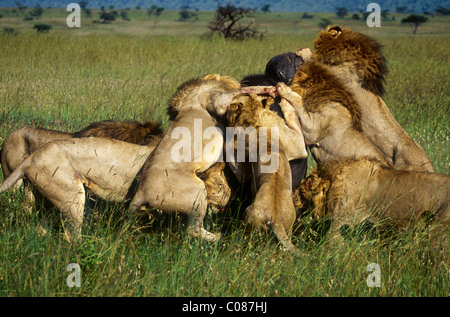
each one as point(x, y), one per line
point(356, 60)
point(281, 68)
point(61, 171)
point(20, 143)
point(272, 185)
point(329, 115)
point(351, 191)
point(169, 178)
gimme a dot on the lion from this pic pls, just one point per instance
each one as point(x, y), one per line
point(281, 68)
point(218, 191)
point(63, 170)
point(313, 191)
point(20, 143)
point(193, 143)
point(351, 192)
point(357, 61)
point(272, 185)
point(329, 115)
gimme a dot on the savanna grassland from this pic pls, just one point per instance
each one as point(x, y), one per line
point(128, 70)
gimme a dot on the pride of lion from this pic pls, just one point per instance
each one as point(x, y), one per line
point(328, 100)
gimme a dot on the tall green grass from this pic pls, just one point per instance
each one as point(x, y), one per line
point(65, 80)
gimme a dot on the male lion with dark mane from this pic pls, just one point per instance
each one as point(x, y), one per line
point(356, 60)
point(329, 116)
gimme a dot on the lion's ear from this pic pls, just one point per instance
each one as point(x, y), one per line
point(325, 186)
point(232, 113)
point(235, 106)
point(212, 77)
point(335, 31)
point(306, 185)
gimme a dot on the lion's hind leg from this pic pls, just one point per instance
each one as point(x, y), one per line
point(71, 205)
point(52, 174)
point(67, 194)
point(262, 213)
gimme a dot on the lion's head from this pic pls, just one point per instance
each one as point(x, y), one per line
point(217, 189)
point(251, 110)
point(313, 191)
point(338, 46)
point(199, 91)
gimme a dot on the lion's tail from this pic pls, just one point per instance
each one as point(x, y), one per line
point(15, 176)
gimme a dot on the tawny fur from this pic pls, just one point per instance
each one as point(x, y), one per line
point(252, 111)
point(273, 205)
point(213, 81)
point(20, 143)
point(317, 86)
point(172, 185)
point(329, 116)
point(357, 61)
point(313, 190)
point(362, 52)
point(63, 170)
point(217, 189)
point(366, 189)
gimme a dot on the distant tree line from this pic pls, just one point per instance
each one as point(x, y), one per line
point(414, 20)
point(186, 15)
point(155, 10)
point(227, 21)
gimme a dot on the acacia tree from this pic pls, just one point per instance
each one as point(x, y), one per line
point(42, 27)
point(226, 23)
point(266, 8)
point(37, 11)
point(324, 23)
point(155, 10)
point(341, 12)
point(108, 16)
point(186, 15)
point(415, 20)
point(20, 6)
